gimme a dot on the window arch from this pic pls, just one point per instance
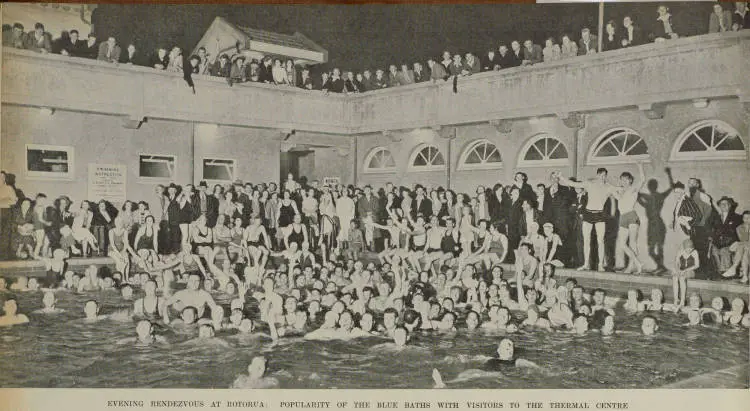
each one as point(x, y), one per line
point(618, 145)
point(709, 140)
point(379, 160)
point(480, 154)
point(543, 150)
point(427, 157)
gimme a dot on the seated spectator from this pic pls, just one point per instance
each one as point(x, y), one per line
point(611, 40)
point(15, 38)
point(306, 80)
point(632, 35)
point(220, 68)
point(359, 82)
point(472, 64)
point(447, 61)
point(64, 44)
point(437, 71)
point(420, 75)
point(379, 81)
point(568, 48)
point(505, 58)
point(516, 55)
point(39, 40)
point(291, 73)
point(278, 72)
point(193, 66)
point(720, 20)
point(367, 80)
point(740, 18)
point(265, 72)
point(551, 51)
point(337, 83)
point(160, 60)
point(205, 65)
point(532, 53)
point(175, 60)
point(325, 81)
point(89, 49)
point(131, 56)
point(71, 46)
point(725, 233)
point(589, 43)
point(456, 68)
point(392, 78)
point(664, 29)
point(405, 76)
point(109, 51)
point(350, 83)
point(237, 74)
point(253, 71)
point(491, 61)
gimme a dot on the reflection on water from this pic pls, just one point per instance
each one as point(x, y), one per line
point(61, 350)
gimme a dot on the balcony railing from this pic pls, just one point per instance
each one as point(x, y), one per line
point(702, 67)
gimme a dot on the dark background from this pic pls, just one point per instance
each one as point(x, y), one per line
point(374, 36)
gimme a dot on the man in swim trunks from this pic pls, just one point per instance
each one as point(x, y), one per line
point(627, 238)
point(594, 216)
point(192, 296)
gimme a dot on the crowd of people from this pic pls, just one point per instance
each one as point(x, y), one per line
point(237, 68)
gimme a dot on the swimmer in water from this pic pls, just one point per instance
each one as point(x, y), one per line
point(11, 316)
point(533, 319)
point(649, 325)
point(734, 316)
point(144, 335)
point(21, 284)
point(192, 296)
point(255, 377)
point(150, 305)
point(126, 292)
point(603, 321)
point(49, 301)
point(506, 358)
point(91, 309)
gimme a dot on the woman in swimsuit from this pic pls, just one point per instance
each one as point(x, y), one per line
point(257, 242)
point(119, 248)
point(237, 233)
point(202, 239)
point(146, 238)
point(296, 232)
point(222, 236)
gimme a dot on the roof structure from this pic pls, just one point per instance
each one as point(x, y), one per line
point(223, 36)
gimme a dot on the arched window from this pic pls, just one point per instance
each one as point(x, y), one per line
point(616, 146)
point(542, 151)
point(481, 155)
point(380, 160)
point(709, 140)
point(426, 158)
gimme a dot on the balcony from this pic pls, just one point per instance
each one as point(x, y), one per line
point(702, 67)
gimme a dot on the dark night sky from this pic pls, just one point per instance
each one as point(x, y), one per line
point(373, 36)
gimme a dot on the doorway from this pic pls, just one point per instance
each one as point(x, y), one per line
point(300, 163)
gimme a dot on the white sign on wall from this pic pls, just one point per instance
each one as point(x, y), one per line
point(108, 182)
point(331, 181)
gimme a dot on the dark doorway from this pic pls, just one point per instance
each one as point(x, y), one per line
point(301, 163)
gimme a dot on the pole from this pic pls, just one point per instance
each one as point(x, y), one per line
point(601, 26)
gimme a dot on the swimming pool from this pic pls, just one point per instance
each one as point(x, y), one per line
point(61, 350)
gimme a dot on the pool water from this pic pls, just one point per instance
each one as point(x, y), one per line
point(61, 350)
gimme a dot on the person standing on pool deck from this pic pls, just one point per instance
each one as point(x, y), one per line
point(594, 216)
point(8, 199)
point(192, 296)
point(627, 239)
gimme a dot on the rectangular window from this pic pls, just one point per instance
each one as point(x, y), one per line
point(157, 166)
point(49, 162)
point(219, 169)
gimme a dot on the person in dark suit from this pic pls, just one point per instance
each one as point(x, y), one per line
point(664, 28)
point(421, 205)
point(516, 54)
point(505, 58)
point(632, 34)
point(367, 204)
point(368, 81)
point(71, 45)
point(557, 210)
point(611, 40)
point(472, 64)
point(720, 20)
point(491, 61)
point(221, 67)
point(588, 44)
point(265, 72)
point(724, 233)
point(89, 49)
point(208, 205)
point(109, 51)
point(131, 56)
point(15, 37)
point(420, 74)
point(160, 60)
point(437, 71)
point(306, 81)
point(514, 213)
point(740, 18)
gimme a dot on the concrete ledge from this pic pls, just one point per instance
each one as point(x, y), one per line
point(34, 268)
